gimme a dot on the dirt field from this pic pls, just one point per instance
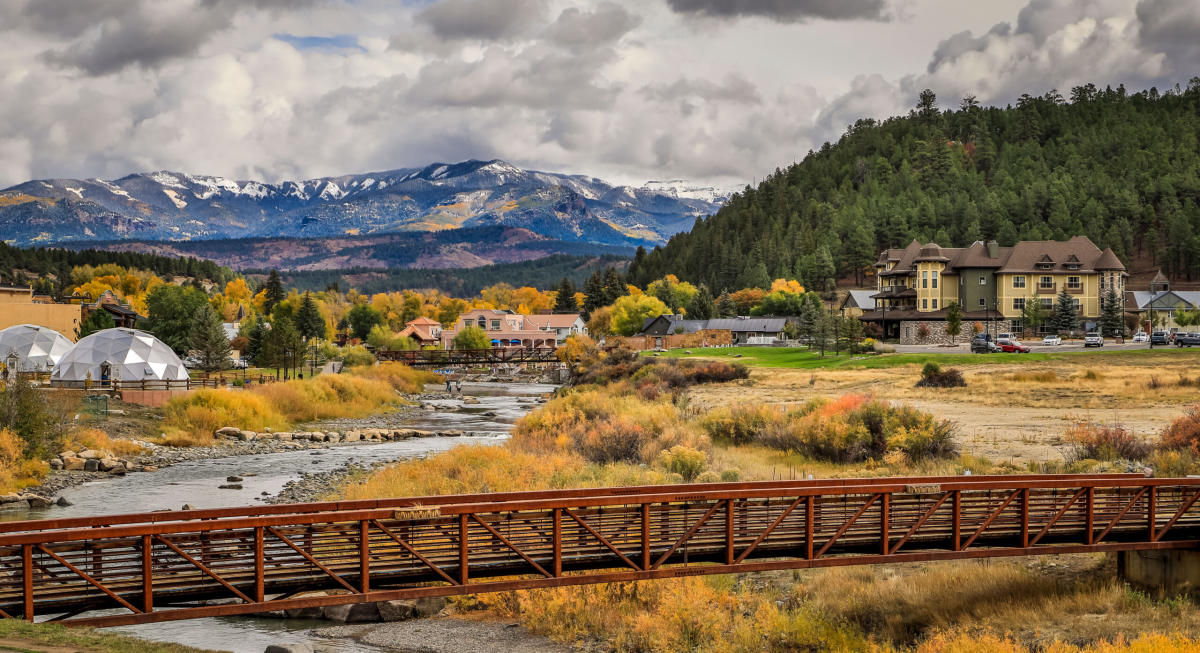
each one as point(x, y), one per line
point(1013, 413)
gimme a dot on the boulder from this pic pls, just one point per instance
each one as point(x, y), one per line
point(470, 401)
point(67, 454)
point(37, 502)
point(91, 465)
point(89, 454)
point(74, 464)
point(268, 430)
point(117, 469)
point(55, 463)
point(11, 497)
point(227, 431)
point(149, 468)
point(289, 648)
point(62, 502)
point(305, 613)
point(285, 437)
point(352, 436)
point(234, 479)
point(107, 464)
point(333, 437)
point(246, 436)
point(401, 610)
point(353, 613)
point(450, 433)
point(230, 486)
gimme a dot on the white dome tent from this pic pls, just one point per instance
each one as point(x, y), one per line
point(118, 355)
point(37, 348)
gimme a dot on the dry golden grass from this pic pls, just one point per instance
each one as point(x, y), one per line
point(91, 438)
point(191, 419)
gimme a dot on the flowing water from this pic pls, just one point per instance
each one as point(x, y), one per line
point(196, 482)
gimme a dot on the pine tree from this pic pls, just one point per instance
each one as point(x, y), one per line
point(725, 306)
point(593, 294)
point(97, 320)
point(564, 300)
point(954, 318)
point(702, 306)
point(614, 286)
point(274, 291)
point(1065, 316)
point(208, 340)
point(1111, 314)
point(255, 336)
point(309, 322)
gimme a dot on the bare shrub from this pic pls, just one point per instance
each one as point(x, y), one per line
point(1091, 441)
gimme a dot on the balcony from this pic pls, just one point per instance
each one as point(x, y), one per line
point(1043, 289)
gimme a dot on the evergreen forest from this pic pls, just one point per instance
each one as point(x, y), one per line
point(1121, 168)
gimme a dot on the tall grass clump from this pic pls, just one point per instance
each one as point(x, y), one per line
point(1091, 441)
point(652, 377)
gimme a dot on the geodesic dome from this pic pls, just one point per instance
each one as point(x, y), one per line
point(37, 348)
point(119, 355)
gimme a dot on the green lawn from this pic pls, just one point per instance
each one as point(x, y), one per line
point(797, 358)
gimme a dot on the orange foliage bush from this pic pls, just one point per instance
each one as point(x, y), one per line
point(1184, 433)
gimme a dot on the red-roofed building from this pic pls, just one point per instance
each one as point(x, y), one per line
point(425, 331)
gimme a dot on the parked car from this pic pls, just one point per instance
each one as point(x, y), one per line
point(191, 362)
point(1093, 339)
point(1004, 336)
point(1012, 347)
point(238, 363)
point(1051, 341)
point(1160, 338)
point(982, 344)
point(1187, 339)
point(1141, 336)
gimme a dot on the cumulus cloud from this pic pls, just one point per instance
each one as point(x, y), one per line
point(784, 11)
point(578, 29)
point(482, 19)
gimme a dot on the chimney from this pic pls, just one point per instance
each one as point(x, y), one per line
point(993, 248)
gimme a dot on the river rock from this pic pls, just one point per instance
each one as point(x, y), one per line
point(74, 464)
point(91, 465)
point(37, 502)
point(470, 401)
point(11, 497)
point(289, 648)
point(89, 454)
point(333, 437)
point(55, 463)
point(305, 613)
point(246, 436)
point(67, 454)
point(117, 470)
point(268, 430)
point(352, 436)
point(227, 431)
point(353, 613)
point(450, 433)
point(230, 486)
point(284, 437)
point(149, 468)
point(108, 464)
point(233, 479)
point(62, 502)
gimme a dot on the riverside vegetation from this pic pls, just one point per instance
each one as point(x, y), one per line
point(631, 421)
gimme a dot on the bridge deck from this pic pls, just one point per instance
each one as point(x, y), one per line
point(494, 356)
point(178, 565)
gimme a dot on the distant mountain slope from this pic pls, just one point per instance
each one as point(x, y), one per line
point(1122, 169)
point(461, 248)
point(172, 206)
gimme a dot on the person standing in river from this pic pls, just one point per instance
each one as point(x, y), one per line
point(449, 388)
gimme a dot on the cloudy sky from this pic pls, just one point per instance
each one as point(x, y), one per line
point(718, 91)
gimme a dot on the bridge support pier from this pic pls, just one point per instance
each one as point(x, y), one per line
point(1165, 572)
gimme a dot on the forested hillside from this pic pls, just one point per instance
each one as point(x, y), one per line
point(1122, 169)
point(49, 267)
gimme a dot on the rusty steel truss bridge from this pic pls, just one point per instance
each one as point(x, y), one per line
point(160, 566)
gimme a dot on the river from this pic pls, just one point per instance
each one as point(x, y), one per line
point(196, 482)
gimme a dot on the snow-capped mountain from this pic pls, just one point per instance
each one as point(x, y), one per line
point(684, 189)
point(175, 206)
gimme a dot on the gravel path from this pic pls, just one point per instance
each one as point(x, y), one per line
point(446, 636)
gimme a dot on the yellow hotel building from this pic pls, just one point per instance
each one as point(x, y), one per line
point(991, 283)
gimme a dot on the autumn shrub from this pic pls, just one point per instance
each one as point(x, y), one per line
point(653, 376)
point(933, 376)
point(685, 461)
point(356, 356)
point(740, 423)
point(855, 428)
point(91, 438)
point(1091, 441)
point(17, 471)
point(1184, 432)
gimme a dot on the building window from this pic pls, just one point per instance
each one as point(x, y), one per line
point(1047, 303)
point(925, 278)
point(1076, 306)
point(1073, 283)
point(495, 325)
point(1018, 303)
point(482, 322)
point(924, 303)
point(1019, 282)
point(935, 282)
point(982, 302)
point(935, 304)
point(982, 280)
point(1046, 283)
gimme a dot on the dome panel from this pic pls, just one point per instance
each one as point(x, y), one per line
point(119, 354)
point(37, 348)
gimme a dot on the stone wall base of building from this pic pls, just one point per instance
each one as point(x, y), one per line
point(933, 332)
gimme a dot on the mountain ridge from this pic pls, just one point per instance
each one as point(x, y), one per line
point(166, 205)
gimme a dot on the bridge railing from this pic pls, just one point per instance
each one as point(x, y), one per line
point(162, 566)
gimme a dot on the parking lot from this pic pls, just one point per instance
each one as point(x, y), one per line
point(964, 346)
